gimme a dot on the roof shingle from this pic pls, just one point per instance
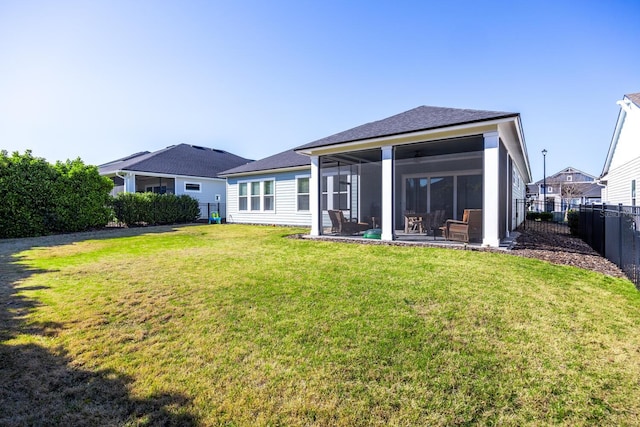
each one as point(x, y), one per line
point(634, 97)
point(181, 159)
point(286, 159)
point(418, 119)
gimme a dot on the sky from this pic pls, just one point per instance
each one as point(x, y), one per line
point(102, 79)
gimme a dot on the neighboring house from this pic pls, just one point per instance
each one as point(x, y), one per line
point(423, 160)
point(178, 169)
point(565, 189)
point(273, 190)
point(621, 171)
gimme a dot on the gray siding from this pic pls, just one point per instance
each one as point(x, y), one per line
point(285, 201)
point(209, 189)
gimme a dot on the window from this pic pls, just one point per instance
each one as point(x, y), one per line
point(633, 192)
point(242, 196)
point(325, 190)
point(341, 185)
point(549, 189)
point(256, 195)
point(336, 191)
point(302, 185)
point(569, 178)
point(267, 198)
point(192, 187)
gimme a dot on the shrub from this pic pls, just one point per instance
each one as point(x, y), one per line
point(39, 198)
point(540, 216)
point(83, 197)
point(546, 216)
point(573, 219)
point(136, 209)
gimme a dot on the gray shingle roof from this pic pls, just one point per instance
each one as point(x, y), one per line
point(418, 119)
point(286, 159)
point(634, 97)
point(181, 159)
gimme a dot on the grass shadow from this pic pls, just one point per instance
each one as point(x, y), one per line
point(39, 386)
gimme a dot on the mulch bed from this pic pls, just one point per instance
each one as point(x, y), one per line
point(563, 249)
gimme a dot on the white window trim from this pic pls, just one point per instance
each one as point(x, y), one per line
point(331, 191)
point(192, 183)
point(261, 194)
point(298, 177)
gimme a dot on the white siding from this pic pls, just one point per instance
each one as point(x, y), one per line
point(625, 163)
point(619, 183)
point(285, 201)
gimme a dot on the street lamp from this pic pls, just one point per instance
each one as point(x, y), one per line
point(544, 178)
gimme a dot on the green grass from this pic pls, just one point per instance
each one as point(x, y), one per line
point(237, 325)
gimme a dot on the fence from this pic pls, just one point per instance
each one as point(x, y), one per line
point(207, 208)
point(541, 217)
point(612, 230)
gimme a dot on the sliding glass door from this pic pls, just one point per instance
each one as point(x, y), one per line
point(450, 193)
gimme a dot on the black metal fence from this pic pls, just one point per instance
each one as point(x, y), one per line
point(207, 208)
point(541, 217)
point(612, 230)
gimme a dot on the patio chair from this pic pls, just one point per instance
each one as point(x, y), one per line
point(340, 225)
point(412, 222)
point(470, 228)
point(437, 221)
point(426, 224)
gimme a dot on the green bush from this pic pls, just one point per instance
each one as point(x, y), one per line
point(84, 198)
point(136, 209)
point(540, 216)
point(546, 216)
point(39, 198)
point(573, 219)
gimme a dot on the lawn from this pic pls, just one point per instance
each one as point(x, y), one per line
point(238, 325)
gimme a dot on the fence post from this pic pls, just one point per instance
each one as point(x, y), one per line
point(603, 247)
point(620, 235)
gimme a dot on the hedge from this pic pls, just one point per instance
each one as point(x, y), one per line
point(38, 198)
point(136, 209)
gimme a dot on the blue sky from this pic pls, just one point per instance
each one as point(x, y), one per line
point(103, 79)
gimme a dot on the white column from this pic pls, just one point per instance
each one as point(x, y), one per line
point(491, 185)
point(387, 193)
point(314, 196)
point(130, 182)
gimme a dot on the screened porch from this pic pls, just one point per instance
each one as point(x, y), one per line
point(433, 182)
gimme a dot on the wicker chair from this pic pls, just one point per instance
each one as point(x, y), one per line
point(340, 225)
point(469, 229)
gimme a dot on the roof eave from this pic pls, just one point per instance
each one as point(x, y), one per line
point(266, 171)
point(405, 137)
point(159, 174)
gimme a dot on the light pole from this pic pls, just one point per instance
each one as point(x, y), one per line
point(544, 178)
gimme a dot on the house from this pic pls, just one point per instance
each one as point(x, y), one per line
point(567, 188)
point(622, 167)
point(273, 190)
point(177, 169)
point(423, 160)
